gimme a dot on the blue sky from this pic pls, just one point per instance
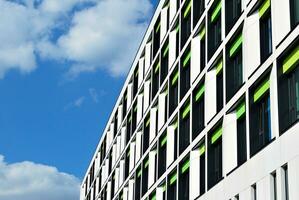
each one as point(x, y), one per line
point(62, 66)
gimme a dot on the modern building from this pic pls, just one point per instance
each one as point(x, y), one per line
point(209, 109)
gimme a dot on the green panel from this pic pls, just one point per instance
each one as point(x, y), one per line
point(241, 110)
point(187, 59)
point(202, 149)
point(163, 141)
point(153, 197)
point(166, 51)
point(177, 29)
point(135, 108)
point(202, 32)
point(219, 67)
point(173, 179)
point(216, 135)
point(291, 61)
point(164, 187)
point(147, 122)
point(185, 166)
point(216, 12)
point(264, 7)
point(188, 9)
point(175, 125)
point(236, 46)
point(175, 78)
point(146, 163)
point(157, 67)
point(261, 90)
point(139, 173)
point(200, 92)
point(186, 111)
point(158, 27)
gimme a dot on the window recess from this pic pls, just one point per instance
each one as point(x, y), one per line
point(234, 69)
point(186, 22)
point(172, 186)
point(184, 179)
point(215, 156)
point(288, 89)
point(198, 111)
point(260, 116)
point(185, 73)
point(173, 91)
point(184, 133)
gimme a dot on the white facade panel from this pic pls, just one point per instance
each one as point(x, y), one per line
point(148, 54)
point(251, 44)
point(281, 15)
point(151, 168)
point(229, 139)
point(138, 146)
point(153, 122)
point(161, 108)
point(131, 190)
point(194, 174)
point(146, 95)
point(123, 138)
point(210, 95)
point(173, 9)
point(132, 155)
point(130, 94)
point(139, 107)
point(170, 146)
point(140, 71)
point(163, 23)
point(172, 48)
point(293, 177)
point(195, 58)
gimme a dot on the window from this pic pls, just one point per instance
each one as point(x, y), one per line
point(233, 10)
point(215, 157)
point(202, 36)
point(274, 185)
point(125, 103)
point(184, 179)
point(112, 185)
point(260, 126)
point(198, 110)
point(184, 133)
point(186, 22)
point(185, 74)
point(241, 133)
point(115, 124)
point(155, 79)
point(202, 168)
point(172, 185)
point(157, 36)
point(163, 186)
point(145, 176)
point(234, 69)
point(129, 127)
point(134, 118)
point(164, 62)
point(214, 27)
point(138, 183)
point(127, 164)
point(177, 40)
point(219, 85)
point(162, 154)
point(288, 90)
point(294, 5)
point(146, 134)
point(199, 7)
point(173, 91)
point(286, 181)
point(253, 188)
point(135, 82)
point(265, 30)
point(175, 124)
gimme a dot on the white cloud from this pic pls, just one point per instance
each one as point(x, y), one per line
point(94, 95)
point(30, 181)
point(103, 35)
point(76, 103)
